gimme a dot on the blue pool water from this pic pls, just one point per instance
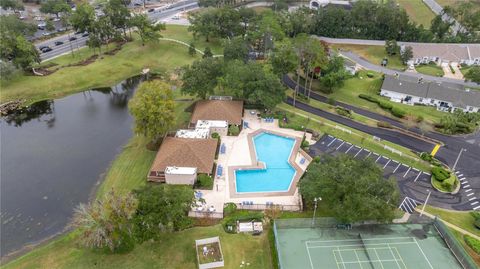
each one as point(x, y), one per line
point(274, 151)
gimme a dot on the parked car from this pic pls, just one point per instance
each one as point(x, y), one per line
point(61, 30)
point(72, 38)
point(42, 47)
point(58, 43)
point(46, 34)
point(56, 19)
point(46, 49)
point(85, 34)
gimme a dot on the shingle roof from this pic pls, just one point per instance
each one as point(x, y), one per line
point(449, 52)
point(186, 152)
point(443, 91)
point(230, 111)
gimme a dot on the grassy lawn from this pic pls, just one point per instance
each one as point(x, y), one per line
point(107, 71)
point(461, 219)
point(452, 3)
point(180, 32)
point(173, 250)
point(373, 54)
point(471, 252)
point(464, 70)
point(430, 69)
point(417, 11)
point(298, 118)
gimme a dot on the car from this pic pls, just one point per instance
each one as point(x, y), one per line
point(138, 4)
point(42, 47)
point(58, 43)
point(46, 34)
point(78, 32)
point(176, 17)
point(22, 18)
point(72, 38)
point(61, 30)
point(85, 34)
point(46, 49)
point(151, 10)
point(41, 27)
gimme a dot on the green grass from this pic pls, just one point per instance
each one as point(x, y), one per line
point(464, 70)
point(374, 54)
point(418, 11)
point(109, 70)
point(180, 32)
point(471, 252)
point(430, 69)
point(453, 3)
point(461, 219)
point(172, 250)
point(299, 118)
point(439, 186)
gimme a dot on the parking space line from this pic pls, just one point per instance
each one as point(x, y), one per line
point(461, 175)
point(456, 172)
point(407, 172)
point(366, 150)
point(358, 152)
point(466, 186)
point(474, 203)
point(330, 136)
point(397, 167)
point(465, 182)
point(475, 208)
point(472, 198)
point(461, 179)
point(331, 142)
point(341, 145)
point(379, 156)
point(417, 177)
point(349, 149)
point(386, 164)
point(470, 194)
point(469, 190)
point(415, 169)
point(368, 155)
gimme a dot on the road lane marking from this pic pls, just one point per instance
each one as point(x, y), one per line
point(461, 179)
point(461, 175)
point(474, 203)
point(475, 208)
point(435, 149)
point(465, 182)
point(407, 172)
point(331, 142)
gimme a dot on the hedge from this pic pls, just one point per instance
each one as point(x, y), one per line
point(215, 136)
point(384, 124)
point(233, 130)
point(368, 98)
point(398, 112)
point(473, 243)
point(440, 173)
point(204, 182)
point(385, 104)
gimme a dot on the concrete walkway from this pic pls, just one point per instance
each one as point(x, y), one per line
point(456, 228)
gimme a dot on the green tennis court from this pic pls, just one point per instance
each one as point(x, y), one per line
point(393, 246)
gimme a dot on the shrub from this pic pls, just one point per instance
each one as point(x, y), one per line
point(368, 98)
point(449, 184)
point(398, 112)
point(343, 112)
point(215, 136)
point(370, 75)
point(317, 159)
point(384, 124)
point(204, 182)
point(385, 104)
point(440, 173)
point(426, 157)
point(305, 144)
point(233, 130)
point(477, 223)
point(331, 101)
point(473, 243)
point(419, 118)
point(229, 209)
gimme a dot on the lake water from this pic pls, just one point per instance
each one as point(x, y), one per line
point(52, 156)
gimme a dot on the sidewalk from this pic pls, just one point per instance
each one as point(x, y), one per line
point(450, 225)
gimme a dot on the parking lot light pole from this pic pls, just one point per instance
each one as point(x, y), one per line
point(315, 200)
point(426, 201)
point(458, 158)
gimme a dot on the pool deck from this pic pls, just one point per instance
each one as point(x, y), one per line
point(240, 153)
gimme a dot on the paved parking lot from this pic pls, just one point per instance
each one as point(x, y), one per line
point(414, 185)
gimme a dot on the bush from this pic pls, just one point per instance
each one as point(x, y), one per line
point(317, 159)
point(343, 112)
point(305, 144)
point(229, 209)
point(426, 157)
point(477, 223)
point(331, 101)
point(449, 184)
point(419, 118)
point(370, 75)
point(215, 136)
point(233, 130)
point(368, 98)
point(473, 243)
point(398, 112)
point(204, 182)
point(440, 173)
point(384, 124)
point(385, 104)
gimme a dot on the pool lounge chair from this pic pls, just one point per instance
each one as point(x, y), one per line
point(302, 161)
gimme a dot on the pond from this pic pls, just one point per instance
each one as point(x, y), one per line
point(53, 154)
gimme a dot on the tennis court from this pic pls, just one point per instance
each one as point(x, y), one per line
point(392, 246)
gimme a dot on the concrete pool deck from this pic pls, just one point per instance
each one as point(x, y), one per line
point(240, 152)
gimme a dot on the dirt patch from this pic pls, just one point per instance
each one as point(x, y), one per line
point(87, 61)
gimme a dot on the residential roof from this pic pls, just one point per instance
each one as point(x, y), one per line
point(230, 111)
point(443, 91)
point(449, 52)
point(186, 152)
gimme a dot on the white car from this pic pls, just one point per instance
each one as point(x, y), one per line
point(56, 19)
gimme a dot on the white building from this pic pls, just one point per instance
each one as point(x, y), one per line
point(180, 175)
point(424, 53)
point(444, 96)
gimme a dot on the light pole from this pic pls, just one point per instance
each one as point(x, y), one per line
point(426, 201)
point(458, 158)
point(315, 200)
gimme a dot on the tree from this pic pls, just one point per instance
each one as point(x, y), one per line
point(83, 18)
point(440, 28)
point(55, 7)
point(7, 70)
point(300, 20)
point(334, 74)
point(314, 56)
point(235, 49)
point(284, 60)
point(473, 74)
point(191, 49)
point(147, 30)
point(14, 46)
point(353, 189)
point(162, 208)
point(207, 53)
point(391, 47)
point(49, 25)
point(13, 4)
point(106, 222)
point(118, 15)
point(153, 109)
point(406, 54)
point(25, 53)
point(202, 24)
point(200, 78)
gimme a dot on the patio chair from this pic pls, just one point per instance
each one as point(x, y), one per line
point(302, 161)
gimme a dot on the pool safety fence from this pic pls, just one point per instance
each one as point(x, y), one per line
point(269, 206)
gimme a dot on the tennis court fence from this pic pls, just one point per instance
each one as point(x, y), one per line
point(306, 223)
point(457, 249)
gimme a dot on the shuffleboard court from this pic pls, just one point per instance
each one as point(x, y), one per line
point(392, 246)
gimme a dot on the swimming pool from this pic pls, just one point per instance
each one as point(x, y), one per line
point(274, 151)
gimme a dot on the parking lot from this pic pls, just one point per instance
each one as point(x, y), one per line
point(414, 184)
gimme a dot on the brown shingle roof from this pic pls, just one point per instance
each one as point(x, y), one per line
point(230, 111)
point(186, 152)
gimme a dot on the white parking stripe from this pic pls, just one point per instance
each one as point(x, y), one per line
point(349, 149)
point(341, 145)
point(358, 152)
point(330, 136)
point(474, 203)
point(379, 156)
point(397, 167)
point(331, 142)
point(366, 150)
point(461, 175)
point(475, 208)
point(456, 172)
point(470, 194)
point(461, 179)
point(407, 172)
point(386, 164)
point(416, 169)
point(466, 186)
point(465, 182)
point(368, 155)
point(468, 190)
point(472, 198)
point(417, 177)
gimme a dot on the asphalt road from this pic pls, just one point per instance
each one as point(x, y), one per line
point(68, 46)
